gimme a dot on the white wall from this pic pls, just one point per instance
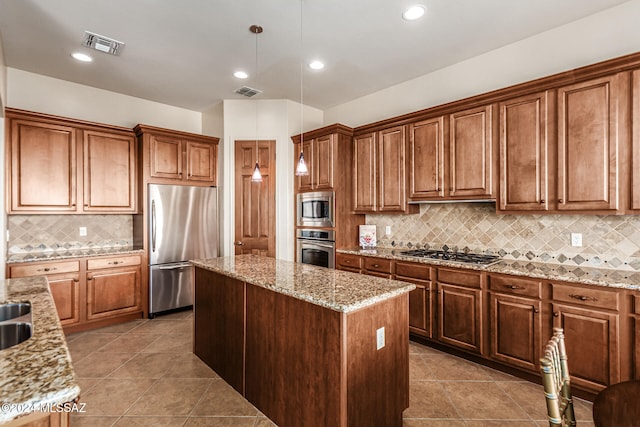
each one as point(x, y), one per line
point(277, 120)
point(35, 92)
point(605, 35)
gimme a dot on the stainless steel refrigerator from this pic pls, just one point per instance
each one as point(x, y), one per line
point(183, 225)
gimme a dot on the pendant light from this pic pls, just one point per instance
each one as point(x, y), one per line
point(256, 176)
point(301, 168)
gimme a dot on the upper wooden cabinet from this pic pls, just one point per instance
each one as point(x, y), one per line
point(634, 202)
point(58, 165)
point(379, 164)
point(319, 158)
point(172, 157)
point(453, 156)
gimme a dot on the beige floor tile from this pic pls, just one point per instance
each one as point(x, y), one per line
point(114, 396)
point(122, 328)
point(150, 421)
point(530, 397)
point(172, 343)
point(169, 397)
point(100, 365)
point(415, 348)
point(427, 399)
point(86, 384)
point(185, 314)
point(146, 365)
point(221, 399)
point(449, 368)
point(264, 422)
point(188, 365)
point(221, 422)
point(87, 343)
point(156, 326)
point(418, 422)
point(89, 421)
point(483, 400)
point(419, 369)
point(131, 342)
point(501, 423)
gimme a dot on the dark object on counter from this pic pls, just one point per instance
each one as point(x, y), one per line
point(463, 257)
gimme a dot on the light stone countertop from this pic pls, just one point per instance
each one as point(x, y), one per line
point(338, 290)
point(70, 254)
point(567, 273)
point(38, 371)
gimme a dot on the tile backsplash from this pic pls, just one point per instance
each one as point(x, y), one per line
point(609, 241)
point(43, 233)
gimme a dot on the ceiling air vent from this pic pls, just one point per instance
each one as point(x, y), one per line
point(248, 91)
point(102, 43)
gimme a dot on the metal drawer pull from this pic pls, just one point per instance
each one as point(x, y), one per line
point(376, 265)
point(114, 262)
point(556, 314)
point(583, 297)
point(514, 287)
point(47, 269)
point(535, 310)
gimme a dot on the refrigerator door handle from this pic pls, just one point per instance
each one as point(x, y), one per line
point(181, 266)
point(153, 226)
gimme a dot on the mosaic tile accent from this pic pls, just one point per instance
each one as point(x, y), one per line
point(609, 241)
point(44, 233)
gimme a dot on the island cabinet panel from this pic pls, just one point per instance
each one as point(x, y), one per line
point(460, 309)
point(524, 153)
point(219, 325)
point(588, 145)
point(426, 159)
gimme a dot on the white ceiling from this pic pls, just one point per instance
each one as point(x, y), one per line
point(184, 52)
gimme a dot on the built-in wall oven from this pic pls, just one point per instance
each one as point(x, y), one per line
point(315, 209)
point(317, 247)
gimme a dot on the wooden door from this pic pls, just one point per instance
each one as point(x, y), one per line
point(166, 157)
point(43, 167)
point(392, 170)
point(635, 141)
point(524, 158)
point(588, 145)
point(426, 159)
point(515, 324)
point(65, 292)
point(201, 162)
point(255, 202)
point(592, 340)
point(323, 162)
point(471, 153)
point(109, 172)
point(459, 317)
point(365, 173)
point(113, 291)
point(305, 182)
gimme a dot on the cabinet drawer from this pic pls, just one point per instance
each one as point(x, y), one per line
point(599, 298)
point(40, 269)
point(349, 261)
point(413, 270)
point(457, 277)
point(377, 264)
point(121, 261)
point(516, 286)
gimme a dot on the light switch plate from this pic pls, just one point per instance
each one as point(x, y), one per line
point(387, 230)
point(380, 338)
point(83, 231)
point(576, 239)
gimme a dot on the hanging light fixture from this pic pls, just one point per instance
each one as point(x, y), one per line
point(256, 176)
point(301, 168)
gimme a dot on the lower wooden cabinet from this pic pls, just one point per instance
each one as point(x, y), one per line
point(420, 299)
point(636, 336)
point(90, 292)
point(348, 262)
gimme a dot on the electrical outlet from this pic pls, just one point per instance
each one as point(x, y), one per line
point(83, 231)
point(387, 230)
point(576, 239)
point(380, 338)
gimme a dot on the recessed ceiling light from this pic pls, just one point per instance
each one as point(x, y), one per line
point(81, 57)
point(240, 75)
point(316, 65)
point(414, 12)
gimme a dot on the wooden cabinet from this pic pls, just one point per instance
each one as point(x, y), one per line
point(635, 346)
point(173, 157)
point(515, 321)
point(591, 323)
point(319, 158)
point(588, 157)
point(90, 292)
point(84, 167)
point(460, 319)
point(380, 172)
point(524, 153)
point(427, 159)
point(420, 299)
point(113, 286)
point(379, 267)
point(634, 202)
point(348, 262)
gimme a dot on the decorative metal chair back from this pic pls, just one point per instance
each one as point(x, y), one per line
point(555, 379)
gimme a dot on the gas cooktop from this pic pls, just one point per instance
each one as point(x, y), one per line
point(462, 257)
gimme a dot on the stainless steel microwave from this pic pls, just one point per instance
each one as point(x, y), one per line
point(316, 209)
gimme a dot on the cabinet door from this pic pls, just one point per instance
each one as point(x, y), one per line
point(166, 157)
point(636, 348)
point(109, 172)
point(515, 325)
point(323, 162)
point(391, 170)
point(112, 292)
point(471, 153)
point(305, 182)
point(460, 317)
point(588, 145)
point(201, 162)
point(524, 153)
point(364, 169)
point(635, 141)
point(426, 159)
point(43, 156)
point(65, 292)
point(592, 340)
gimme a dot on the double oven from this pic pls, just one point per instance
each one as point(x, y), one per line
point(315, 233)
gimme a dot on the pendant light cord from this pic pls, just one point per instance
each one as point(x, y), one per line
point(301, 86)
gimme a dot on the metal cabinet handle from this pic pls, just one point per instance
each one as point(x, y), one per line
point(556, 314)
point(376, 265)
point(535, 310)
point(542, 201)
point(513, 287)
point(239, 243)
point(114, 262)
point(560, 201)
point(583, 297)
point(76, 280)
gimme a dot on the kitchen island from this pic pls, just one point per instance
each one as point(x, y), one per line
point(306, 345)
point(37, 381)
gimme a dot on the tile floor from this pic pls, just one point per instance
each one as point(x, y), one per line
point(143, 373)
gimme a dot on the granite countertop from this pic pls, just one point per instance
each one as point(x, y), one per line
point(70, 254)
point(38, 371)
point(566, 273)
point(338, 290)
